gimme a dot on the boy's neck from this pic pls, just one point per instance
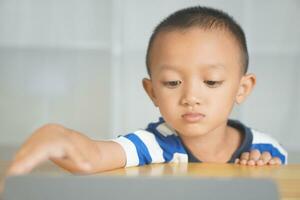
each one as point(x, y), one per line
point(216, 146)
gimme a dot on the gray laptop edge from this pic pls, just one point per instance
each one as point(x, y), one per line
point(137, 188)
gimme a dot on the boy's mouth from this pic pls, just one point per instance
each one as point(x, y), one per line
point(193, 117)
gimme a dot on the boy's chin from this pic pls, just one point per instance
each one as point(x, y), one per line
point(191, 130)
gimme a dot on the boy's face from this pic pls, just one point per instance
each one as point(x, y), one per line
point(196, 77)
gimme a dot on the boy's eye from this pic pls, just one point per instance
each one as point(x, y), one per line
point(172, 84)
point(213, 84)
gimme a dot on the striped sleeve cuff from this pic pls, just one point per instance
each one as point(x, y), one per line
point(129, 148)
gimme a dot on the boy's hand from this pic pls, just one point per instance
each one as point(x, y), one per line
point(67, 148)
point(257, 158)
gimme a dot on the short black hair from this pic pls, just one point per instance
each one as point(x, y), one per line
point(205, 18)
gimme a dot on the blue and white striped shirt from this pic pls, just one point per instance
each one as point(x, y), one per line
point(159, 143)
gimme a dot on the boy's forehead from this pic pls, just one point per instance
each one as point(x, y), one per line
point(213, 49)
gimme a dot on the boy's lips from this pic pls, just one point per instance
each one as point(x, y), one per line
point(193, 117)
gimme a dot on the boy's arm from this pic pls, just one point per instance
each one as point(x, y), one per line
point(69, 149)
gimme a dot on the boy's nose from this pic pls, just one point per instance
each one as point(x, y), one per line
point(192, 93)
point(190, 101)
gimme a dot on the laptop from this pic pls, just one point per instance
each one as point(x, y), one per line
point(43, 187)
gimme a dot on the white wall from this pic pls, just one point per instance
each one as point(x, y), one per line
point(54, 66)
point(81, 63)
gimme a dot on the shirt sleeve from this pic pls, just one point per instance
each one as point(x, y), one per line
point(140, 147)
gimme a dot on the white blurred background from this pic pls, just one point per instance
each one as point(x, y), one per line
point(80, 64)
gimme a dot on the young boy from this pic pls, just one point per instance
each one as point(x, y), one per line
point(197, 62)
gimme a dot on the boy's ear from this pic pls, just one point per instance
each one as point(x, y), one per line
point(247, 84)
point(147, 84)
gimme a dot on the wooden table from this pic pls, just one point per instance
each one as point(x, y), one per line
point(287, 177)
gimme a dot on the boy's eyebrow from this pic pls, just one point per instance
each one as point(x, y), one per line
point(209, 66)
point(167, 67)
point(215, 66)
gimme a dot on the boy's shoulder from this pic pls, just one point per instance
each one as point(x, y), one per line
point(161, 128)
point(261, 138)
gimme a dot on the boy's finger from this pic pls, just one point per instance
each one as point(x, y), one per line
point(25, 163)
point(260, 162)
point(254, 155)
point(243, 162)
point(266, 157)
point(251, 162)
point(236, 161)
point(244, 158)
point(275, 161)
